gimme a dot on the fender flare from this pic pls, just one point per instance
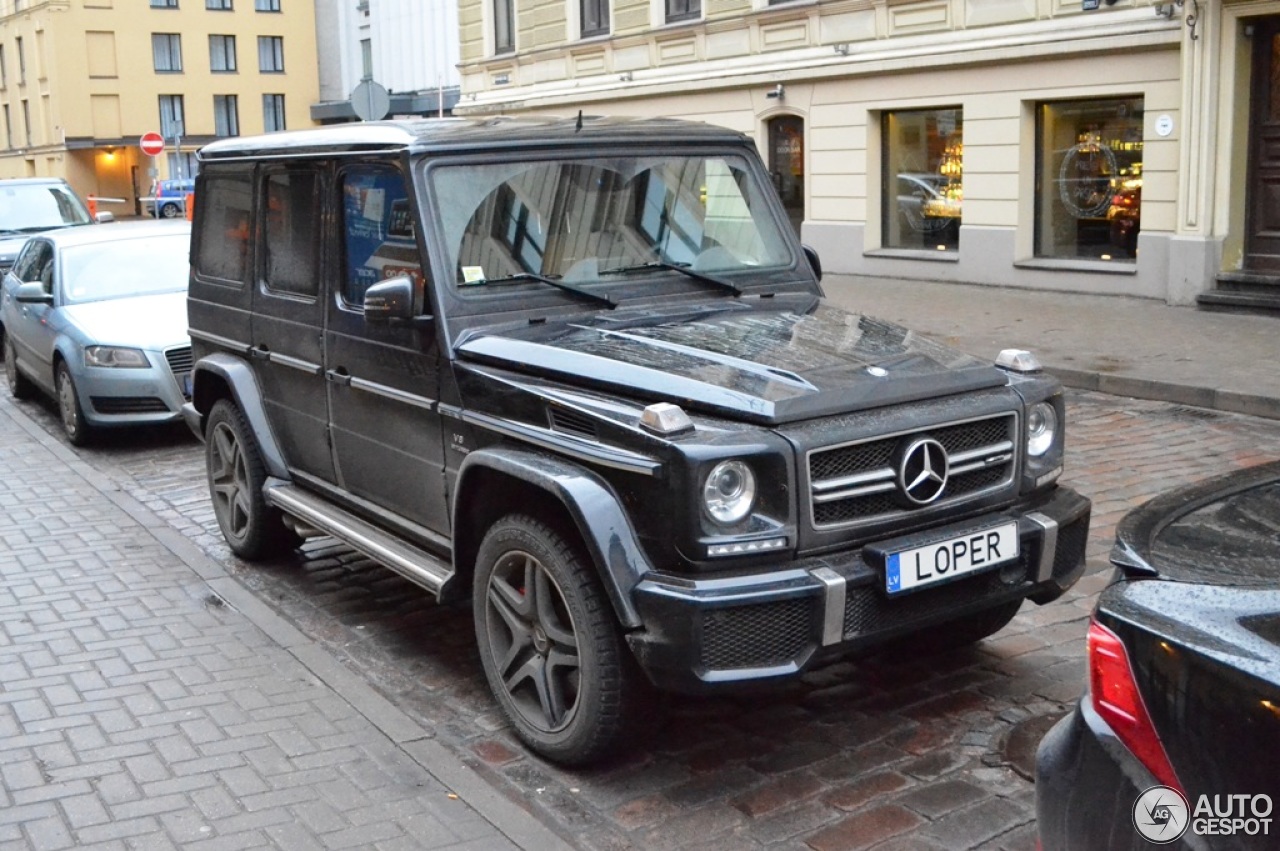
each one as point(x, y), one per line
point(594, 508)
point(239, 378)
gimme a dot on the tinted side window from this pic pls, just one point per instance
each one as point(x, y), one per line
point(222, 243)
point(290, 239)
point(24, 266)
point(378, 239)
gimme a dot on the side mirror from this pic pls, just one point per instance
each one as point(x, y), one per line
point(104, 217)
point(389, 300)
point(814, 261)
point(32, 292)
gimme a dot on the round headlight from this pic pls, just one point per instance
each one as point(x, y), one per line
point(729, 492)
point(1042, 426)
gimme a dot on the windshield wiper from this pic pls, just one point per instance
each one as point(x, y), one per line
point(558, 284)
point(682, 268)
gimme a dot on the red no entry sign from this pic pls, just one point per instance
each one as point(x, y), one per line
point(152, 144)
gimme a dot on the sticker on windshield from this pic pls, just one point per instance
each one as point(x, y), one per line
point(473, 275)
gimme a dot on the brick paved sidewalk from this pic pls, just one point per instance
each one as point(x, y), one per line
point(148, 701)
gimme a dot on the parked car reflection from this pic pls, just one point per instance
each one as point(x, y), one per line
point(96, 318)
point(1184, 680)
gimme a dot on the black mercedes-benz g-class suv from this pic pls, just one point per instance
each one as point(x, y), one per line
point(582, 372)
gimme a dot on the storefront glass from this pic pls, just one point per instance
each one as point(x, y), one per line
point(1089, 179)
point(923, 166)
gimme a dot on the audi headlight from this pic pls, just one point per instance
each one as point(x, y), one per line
point(729, 492)
point(114, 356)
point(1042, 428)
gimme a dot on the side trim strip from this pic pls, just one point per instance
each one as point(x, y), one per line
point(296, 363)
point(833, 600)
point(393, 393)
point(225, 342)
point(1050, 548)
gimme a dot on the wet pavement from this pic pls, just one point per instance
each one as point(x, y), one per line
point(895, 750)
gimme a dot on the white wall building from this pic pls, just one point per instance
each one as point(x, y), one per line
point(409, 47)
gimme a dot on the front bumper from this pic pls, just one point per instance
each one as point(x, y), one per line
point(701, 634)
point(128, 397)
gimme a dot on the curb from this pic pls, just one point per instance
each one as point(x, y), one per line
point(1231, 401)
point(508, 818)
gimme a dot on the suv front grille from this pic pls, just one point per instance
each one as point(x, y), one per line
point(856, 483)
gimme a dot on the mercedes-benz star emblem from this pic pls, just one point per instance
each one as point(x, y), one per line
point(922, 475)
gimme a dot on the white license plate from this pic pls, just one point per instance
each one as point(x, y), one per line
point(934, 563)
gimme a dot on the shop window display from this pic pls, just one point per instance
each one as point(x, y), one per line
point(922, 184)
point(1089, 179)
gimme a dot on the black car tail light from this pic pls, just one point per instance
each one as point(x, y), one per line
point(1115, 696)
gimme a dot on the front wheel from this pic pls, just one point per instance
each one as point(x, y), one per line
point(253, 529)
point(69, 410)
point(169, 211)
point(551, 649)
point(20, 387)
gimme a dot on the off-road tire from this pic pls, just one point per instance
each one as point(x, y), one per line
point(233, 463)
point(537, 601)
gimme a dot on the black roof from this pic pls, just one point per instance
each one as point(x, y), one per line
point(418, 135)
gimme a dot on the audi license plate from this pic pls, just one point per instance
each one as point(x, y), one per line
point(974, 552)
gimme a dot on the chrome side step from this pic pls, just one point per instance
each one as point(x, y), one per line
point(413, 563)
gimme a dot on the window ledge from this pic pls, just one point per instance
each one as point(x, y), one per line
point(1113, 267)
point(914, 254)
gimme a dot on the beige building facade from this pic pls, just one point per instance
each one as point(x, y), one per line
point(82, 80)
point(1041, 144)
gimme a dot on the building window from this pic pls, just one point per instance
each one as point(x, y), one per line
point(218, 5)
point(366, 59)
point(226, 116)
point(171, 116)
point(595, 17)
point(266, 5)
point(8, 128)
point(921, 178)
point(26, 120)
point(270, 54)
point(1089, 178)
point(683, 10)
point(166, 52)
point(272, 113)
point(164, 4)
point(222, 53)
point(4, 69)
point(22, 61)
point(504, 26)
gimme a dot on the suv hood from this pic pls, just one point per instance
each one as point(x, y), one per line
point(771, 360)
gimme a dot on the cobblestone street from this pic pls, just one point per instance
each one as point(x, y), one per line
point(891, 751)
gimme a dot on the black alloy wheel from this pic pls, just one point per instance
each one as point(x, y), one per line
point(253, 529)
point(69, 410)
point(550, 646)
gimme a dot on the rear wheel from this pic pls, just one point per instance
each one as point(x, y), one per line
point(69, 411)
point(20, 387)
point(169, 210)
point(550, 646)
point(253, 529)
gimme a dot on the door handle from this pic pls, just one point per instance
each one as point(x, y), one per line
point(260, 353)
point(339, 376)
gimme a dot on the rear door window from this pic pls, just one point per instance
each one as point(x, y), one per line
point(221, 245)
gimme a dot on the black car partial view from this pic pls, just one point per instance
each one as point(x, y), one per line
point(582, 373)
point(1175, 742)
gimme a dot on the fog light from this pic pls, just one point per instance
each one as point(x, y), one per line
point(742, 548)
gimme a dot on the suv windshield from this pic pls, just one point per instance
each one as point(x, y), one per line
point(40, 206)
point(597, 223)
